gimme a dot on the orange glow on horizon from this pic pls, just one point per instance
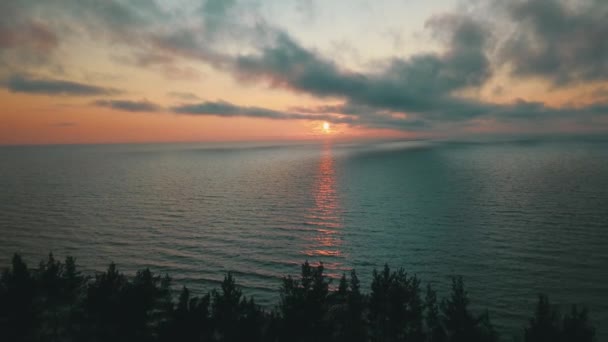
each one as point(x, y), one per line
point(27, 119)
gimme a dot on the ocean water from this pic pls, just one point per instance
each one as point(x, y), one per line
point(513, 218)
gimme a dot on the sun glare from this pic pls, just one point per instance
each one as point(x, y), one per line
point(326, 127)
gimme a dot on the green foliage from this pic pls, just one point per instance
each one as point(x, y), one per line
point(549, 325)
point(19, 319)
point(576, 326)
point(434, 328)
point(346, 313)
point(235, 317)
point(55, 302)
point(395, 307)
point(544, 326)
point(304, 306)
point(39, 304)
point(190, 320)
point(460, 324)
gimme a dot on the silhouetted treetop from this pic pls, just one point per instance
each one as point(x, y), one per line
point(55, 302)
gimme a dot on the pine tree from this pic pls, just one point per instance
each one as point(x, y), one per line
point(434, 329)
point(460, 324)
point(545, 325)
point(576, 326)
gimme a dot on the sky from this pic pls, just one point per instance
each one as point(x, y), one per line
point(110, 71)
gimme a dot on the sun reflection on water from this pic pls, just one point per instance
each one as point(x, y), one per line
point(325, 216)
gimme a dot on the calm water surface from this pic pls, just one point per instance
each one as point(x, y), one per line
point(514, 219)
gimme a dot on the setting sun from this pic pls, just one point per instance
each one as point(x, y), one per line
point(234, 139)
point(326, 127)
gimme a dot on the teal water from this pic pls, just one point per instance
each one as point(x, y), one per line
point(514, 218)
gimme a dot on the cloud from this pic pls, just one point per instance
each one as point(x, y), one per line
point(33, 35)
point(333, 114)
point(421, 84)
point(562, 41)
point(129, 106)
point(423, 88)
point(31, 31)
point(24, 40)
point(600, 94)
point(307, 9)
point(227, 109)
point(557, 40)
point(215, 13)
point(119, 21)
point(19, 83)
point(183, 95)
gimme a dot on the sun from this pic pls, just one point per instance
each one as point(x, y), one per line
point(326, 127)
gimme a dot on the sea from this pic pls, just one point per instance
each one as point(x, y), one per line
point(514, 217)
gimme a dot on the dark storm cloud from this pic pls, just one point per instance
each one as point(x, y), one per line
point(562, 41)
point(128, 106)
point(45, 86)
